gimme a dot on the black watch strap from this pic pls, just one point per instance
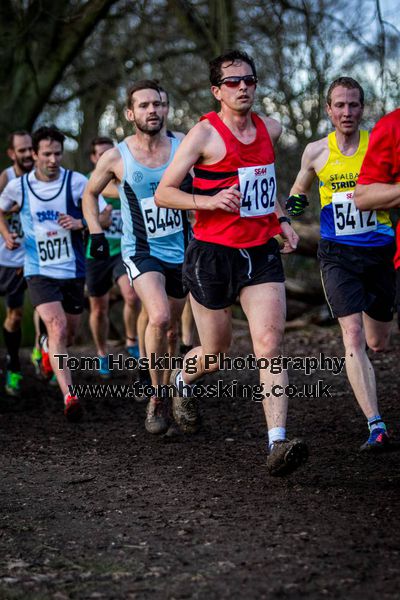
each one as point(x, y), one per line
point(284, 220)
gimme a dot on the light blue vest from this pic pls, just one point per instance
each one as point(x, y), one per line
point(146, 228)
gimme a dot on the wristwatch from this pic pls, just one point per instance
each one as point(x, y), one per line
point(284, 220)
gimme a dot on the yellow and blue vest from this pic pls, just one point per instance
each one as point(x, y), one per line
point(341, 221)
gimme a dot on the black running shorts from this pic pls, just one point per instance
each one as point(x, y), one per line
point(358, 279)
point(215, 274)
point(137, 265)
point(70, 292)
point(101, 274)
point(12, 286)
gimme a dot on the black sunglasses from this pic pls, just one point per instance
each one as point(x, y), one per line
point(234, 80)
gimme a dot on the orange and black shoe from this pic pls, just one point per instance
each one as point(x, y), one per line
point(73, 410)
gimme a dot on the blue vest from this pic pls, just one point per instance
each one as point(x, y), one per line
point(146, 228)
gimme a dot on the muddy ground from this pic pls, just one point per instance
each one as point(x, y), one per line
point(103, 510)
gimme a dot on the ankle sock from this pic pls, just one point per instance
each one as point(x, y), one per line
point(183, 388)
point(276, 434)
point(376, 422)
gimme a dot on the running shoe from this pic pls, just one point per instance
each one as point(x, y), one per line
point(104, 371)
point(36, 358)
point(73, 409)
point(133, 351)
point(378, 441)
point(45, 365)
point(156, 421)
point(13, 381)
point(185, 409)
point(286, 456)
point(145, 381)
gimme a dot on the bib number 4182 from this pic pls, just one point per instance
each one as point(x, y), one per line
point(258, 188)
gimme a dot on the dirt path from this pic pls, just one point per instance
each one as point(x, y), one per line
point(103, 510)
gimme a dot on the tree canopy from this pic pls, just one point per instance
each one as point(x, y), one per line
point(69, 62)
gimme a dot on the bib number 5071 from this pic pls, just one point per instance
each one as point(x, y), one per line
point(53, 249)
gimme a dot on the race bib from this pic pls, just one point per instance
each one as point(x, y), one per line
point(160, 222)
point(258, 187)
point(54, 247)
point(114, 232)
point(348, 219)
point(14, 225)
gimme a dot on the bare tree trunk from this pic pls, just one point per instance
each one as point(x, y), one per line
point(39, 39)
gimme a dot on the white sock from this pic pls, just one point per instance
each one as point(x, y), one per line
point(276, 434)
point(182, 387)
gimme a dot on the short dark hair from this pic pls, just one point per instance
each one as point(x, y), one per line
point(230, 56)
point(346, 82)
point(47, 133)
point(162, 89)
point(142, 84)
point(12, 135)
point(97, 141)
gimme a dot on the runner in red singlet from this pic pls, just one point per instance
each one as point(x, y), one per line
point(234, 252)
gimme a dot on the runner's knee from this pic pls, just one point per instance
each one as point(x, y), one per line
point(131, 300)
point(354, 337)
point(160, 320)
point(378, 344)
point(269, 343)
point(13, 319)
point(57, 329)
point(172, 334)
point(99, 310)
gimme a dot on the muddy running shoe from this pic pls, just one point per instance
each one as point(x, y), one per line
point(156, 416)
point(104, 371)
point(36, 358)
point(286, 456)
point(13, 384)
point(378, 441)
point(184, 408)
point(173, 432)
point(73, 409)
point(45, 365)
point(145, 381)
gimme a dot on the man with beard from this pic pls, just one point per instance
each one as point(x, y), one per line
point(12, 283)
point(20, 152)
point(153, 238)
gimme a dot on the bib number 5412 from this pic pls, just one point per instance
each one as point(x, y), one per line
point(348, 219)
